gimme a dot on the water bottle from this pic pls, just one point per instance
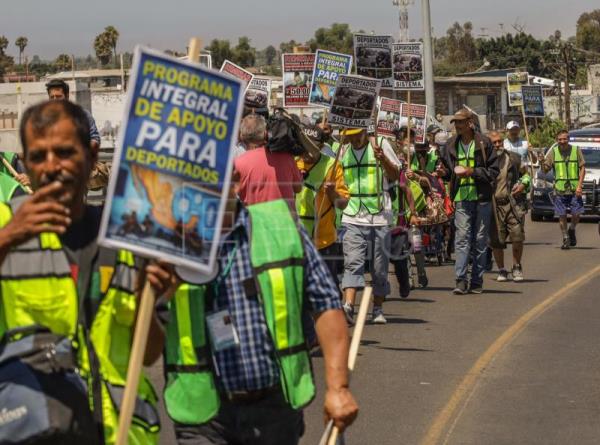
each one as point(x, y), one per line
point(417, 240)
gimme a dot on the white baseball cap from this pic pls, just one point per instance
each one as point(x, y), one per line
point(512, 124)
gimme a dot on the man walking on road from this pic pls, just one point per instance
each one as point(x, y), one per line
point(368, 217)
point(568, 164)
point(471, 165)
point(509, 206)
point(516, 144)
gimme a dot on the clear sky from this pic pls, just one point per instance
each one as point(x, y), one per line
point(69, 26)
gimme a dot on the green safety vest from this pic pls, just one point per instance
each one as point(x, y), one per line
point(10, 157)
point(36, 287)
point(361, 178)
point(8, 186)
point(277, 257)
point(306, 199)
point(566, 171)
point(432, 159)
point(467, 191)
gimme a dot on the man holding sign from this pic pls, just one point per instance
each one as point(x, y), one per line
point(49, 257)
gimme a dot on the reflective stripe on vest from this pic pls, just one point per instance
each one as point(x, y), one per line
point(566, 171)
point(361, 178)
point(191, 396)
point(467, 191)
point(306, 199)
point(431, 161)
point(36, 280)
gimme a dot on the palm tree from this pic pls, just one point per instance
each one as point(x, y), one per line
point(103, 48)
point(21, 43)
point(63, 62)
point(3, 44)
point(112, 36)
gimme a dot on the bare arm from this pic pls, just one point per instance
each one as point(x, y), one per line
point(332, 332)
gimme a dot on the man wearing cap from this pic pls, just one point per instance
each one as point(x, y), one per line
point(516, 144)
point(510, 198)
point(368, 166)
point(471, 166)
point(323, 191)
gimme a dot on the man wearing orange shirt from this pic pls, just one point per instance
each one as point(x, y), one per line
point(324, 190)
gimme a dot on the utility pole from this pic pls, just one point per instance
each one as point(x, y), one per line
point(428, 57)
point(403, 18)
point(566, 52)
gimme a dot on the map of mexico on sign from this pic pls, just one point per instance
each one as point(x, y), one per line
point(328, 66)
point(172, 166)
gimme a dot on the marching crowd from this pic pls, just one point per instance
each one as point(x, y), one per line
point(348, 206)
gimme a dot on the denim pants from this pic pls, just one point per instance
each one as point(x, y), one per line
point(472, 221)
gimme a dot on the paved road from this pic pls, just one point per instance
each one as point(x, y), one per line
point(429, 376)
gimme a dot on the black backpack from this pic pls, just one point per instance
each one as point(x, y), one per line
point(284, 134)
point(43, 399)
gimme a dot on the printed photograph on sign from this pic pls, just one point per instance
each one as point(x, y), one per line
point(354, 100)
point(533, 100)
point(407, 66)
point(327, 68)
point(373, 57)
point(258, 93)
point(514, 83)
point(172, 166)
point(237, 72)
point(297, 76)
point(418, 120)
point(388, 116)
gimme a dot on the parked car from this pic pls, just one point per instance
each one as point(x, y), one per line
point(543, 184)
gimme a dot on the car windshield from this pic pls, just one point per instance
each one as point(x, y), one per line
point(592, 156)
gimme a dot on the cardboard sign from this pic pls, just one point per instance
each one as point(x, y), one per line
point(328, 66)
point(237, 72)
point(259, 92)
point(388, 117)
point(373, 57)
point(172, 165)
point(533, 100)
point(418, 120)
point(407, 66)
point(297, 76)
point(514, 83)
point(354, 100)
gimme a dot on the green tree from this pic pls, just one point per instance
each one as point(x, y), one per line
point(21, 43)
point(270, 54)
point(243, 54)
point(518, 51)
point(545, 134)
point(6, 61)
point(338, 37)
point(63, 62)
point(287, 47)
point(103, 48)
point(112, 37)
point(588, 31)
point(219, 50)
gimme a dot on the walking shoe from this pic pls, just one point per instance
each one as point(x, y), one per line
point(377, 316)
point(502, 275)
point(476, 289)
point(566, 245)
point(572, 237)
point(517, 272)
point(461, 288)
point(349, 313)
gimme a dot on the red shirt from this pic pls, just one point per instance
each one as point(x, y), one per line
point(266, 176)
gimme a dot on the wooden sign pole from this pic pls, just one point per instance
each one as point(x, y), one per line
point(15, 174)
point(408, 130)
point(142, 328)
point(354, 345)
point(530, 157)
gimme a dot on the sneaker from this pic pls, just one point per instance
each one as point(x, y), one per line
point(566, 245)
point(349, 313)
point(517, 272)
point(377, 317)
point(572, 237)
point(476, 289)
point(502, 275)
point(461, 288)
point(423, 281)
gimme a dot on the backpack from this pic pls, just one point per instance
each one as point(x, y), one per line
point(43, 399)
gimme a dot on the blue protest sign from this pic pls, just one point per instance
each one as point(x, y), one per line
point(172, 167)
point(328, 66)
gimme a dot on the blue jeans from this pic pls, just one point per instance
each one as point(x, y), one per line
point(472, 221)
